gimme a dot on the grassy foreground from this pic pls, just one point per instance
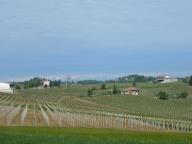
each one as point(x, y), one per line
point(29, 135)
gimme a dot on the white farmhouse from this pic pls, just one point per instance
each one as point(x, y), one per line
point(46, 83)
point(166, 79)
point(130, 91)
point(5, 88)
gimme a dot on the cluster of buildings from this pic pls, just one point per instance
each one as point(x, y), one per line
point(159, 79)
point(7, 88)
point(166, 79)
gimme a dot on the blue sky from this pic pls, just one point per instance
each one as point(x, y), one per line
point(84, 37)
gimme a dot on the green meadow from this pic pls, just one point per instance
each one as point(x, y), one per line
point(31, 135)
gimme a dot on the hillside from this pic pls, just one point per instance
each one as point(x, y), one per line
point(71, 107)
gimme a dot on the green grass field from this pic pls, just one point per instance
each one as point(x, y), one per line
point(29, 135)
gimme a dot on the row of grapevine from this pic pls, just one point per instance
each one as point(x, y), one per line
point(12, 114)
point(24, 114)
point(109, 120)
point(55, 113)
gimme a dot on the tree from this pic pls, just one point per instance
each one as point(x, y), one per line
point(56, 83)
point(135, 78)
point(183, 95)
point(163, 95)
point(115, 90)
point(35, 82)
point(103, 86)
point(52, 83)
point(89, 82)
point(90, 92)
point(190, 81)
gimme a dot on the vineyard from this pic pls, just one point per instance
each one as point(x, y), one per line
point(60, 107)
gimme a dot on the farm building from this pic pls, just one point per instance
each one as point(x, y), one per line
point(46, 83)
point(166, 79)
point(131, 91)
point(5, 88)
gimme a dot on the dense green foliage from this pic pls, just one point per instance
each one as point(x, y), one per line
point(89, 92)
point(103, 86)
point(115, 90)
point(89, 82)
point(183, 95)
point(185, 79)
point(34, 82)
point(125, 79)
point(190, 81)
point(31, 135)
point(163, 95)
point(135, 78)
point(56, 83)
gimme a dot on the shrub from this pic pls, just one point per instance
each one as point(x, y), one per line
point(190, 81)
point(90, 92)
point(103, 86)
point(115, 90)
point(163, 95)
point(183, 95)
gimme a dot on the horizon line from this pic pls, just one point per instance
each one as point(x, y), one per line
point(90, 76)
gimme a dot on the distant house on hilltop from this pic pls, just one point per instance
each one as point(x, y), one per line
point(5, 88)
point(46, 83)
point(166, 79)
point(130, 91)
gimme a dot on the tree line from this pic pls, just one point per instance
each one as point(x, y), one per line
point(36, 82)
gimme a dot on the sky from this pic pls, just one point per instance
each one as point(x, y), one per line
point(94, 38)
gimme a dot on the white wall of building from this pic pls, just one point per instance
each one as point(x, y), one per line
point(46, 83)
point(169, 80)
point(5, 88)
point(166, 79)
